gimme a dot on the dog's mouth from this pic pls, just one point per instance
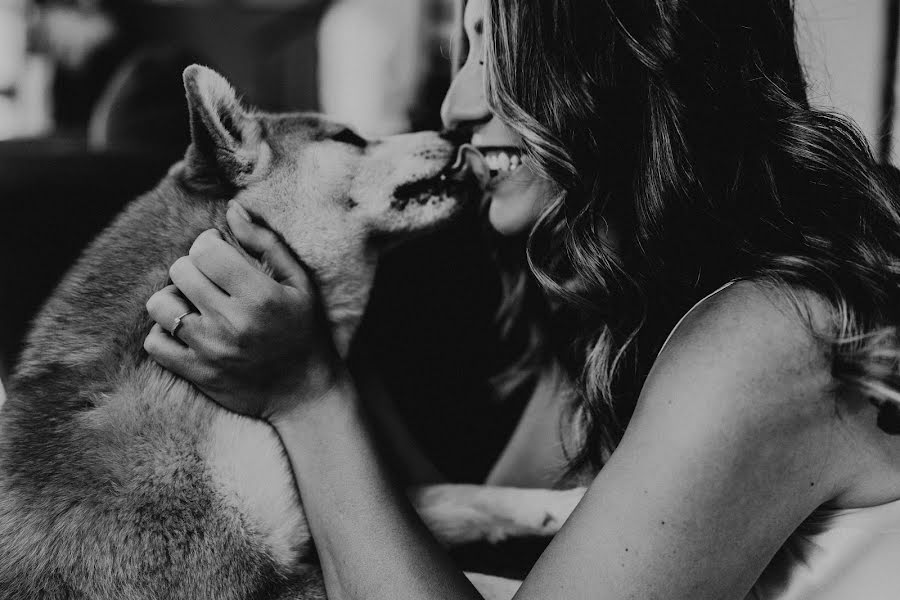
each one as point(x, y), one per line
point(458, 180)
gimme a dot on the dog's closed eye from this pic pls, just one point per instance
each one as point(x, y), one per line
point(348, 136)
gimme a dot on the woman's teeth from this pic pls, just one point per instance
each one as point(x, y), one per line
point(502, 160)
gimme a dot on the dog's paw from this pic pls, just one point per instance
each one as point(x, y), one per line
point(553, 510)
point(467, 513)
point(532, 513)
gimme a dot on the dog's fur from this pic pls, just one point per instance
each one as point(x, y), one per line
point(119, 480)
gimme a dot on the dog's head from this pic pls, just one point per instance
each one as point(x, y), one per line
point(337, 199)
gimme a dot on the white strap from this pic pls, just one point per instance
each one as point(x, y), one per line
point(681, 320)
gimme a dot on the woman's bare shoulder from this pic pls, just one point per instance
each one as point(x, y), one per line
point(752, 360)
point(755, 333)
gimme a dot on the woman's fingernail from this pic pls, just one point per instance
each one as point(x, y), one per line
point(239, 210)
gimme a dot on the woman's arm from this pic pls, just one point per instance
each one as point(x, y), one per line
point(534, 456)
point(370, 541)
point(733, 443)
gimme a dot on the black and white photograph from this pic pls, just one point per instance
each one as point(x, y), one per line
point(449, 300)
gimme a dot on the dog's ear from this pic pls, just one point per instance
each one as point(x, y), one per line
point(226, 141)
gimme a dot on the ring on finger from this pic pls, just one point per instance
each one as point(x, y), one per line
point(177, 323)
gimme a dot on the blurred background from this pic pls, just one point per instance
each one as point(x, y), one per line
point(92, 113)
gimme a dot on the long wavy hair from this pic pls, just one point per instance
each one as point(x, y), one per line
point(686, 124)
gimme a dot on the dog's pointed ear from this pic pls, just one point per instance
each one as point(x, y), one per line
point(226, 141)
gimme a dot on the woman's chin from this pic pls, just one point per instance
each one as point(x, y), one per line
point(509, 217)
point(515, 207)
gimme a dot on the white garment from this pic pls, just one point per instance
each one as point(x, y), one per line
point(855, 556)
point(846, 554)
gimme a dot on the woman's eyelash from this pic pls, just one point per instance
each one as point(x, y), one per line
point(348, 136)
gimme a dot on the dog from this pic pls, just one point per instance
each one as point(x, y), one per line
point(120, 480)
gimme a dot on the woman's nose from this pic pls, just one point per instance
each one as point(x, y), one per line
point(465, 105)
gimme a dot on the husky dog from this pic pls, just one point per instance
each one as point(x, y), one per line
point(118, 480)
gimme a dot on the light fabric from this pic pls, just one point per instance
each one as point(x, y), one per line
point(855, 556)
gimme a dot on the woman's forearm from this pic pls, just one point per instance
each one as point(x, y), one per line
point(370, 541)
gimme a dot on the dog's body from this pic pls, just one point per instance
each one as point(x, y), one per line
point(118, 479)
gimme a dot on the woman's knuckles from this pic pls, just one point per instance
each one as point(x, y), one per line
point(240, 333)
point(217, 360)
point(271, 304)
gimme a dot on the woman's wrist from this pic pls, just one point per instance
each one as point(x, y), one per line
point(326, 394)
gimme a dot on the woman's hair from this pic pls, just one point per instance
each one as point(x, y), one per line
point(686, 124)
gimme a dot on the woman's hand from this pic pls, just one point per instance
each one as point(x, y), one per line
point(256, 344)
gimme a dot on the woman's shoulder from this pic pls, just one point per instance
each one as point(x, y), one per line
point(745, 375)
point(756, 331)
point(754, 360)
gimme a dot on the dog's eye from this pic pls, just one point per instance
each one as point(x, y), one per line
point(348, 136)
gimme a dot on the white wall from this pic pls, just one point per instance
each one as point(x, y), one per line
point(842, 45)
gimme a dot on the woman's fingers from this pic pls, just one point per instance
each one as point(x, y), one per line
point(195, 286)
point(166, 305)
point(223, 265)
point(265, 245)
point(176, 357)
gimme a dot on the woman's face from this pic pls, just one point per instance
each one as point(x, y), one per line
point(516, 194)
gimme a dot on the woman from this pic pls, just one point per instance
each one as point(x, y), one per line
point(669, 153)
